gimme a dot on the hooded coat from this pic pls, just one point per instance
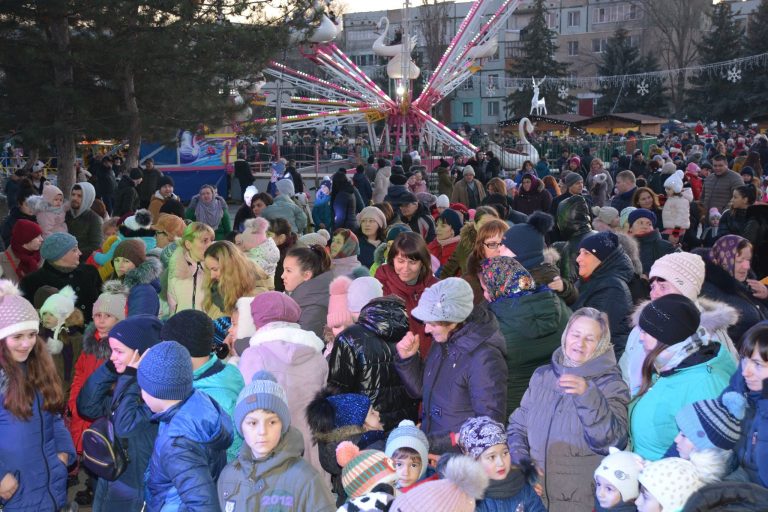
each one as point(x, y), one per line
point(652, 247)
point(701, 376)
point(457, 262)
point(752, 448)
point(185, 288)
point(381, 184)
point(573, 223)
point(126, 197)
point(566, 436)
point(363, 360)
point(132, 426)
point(189, 454)
point(536, 199)
point(532, 326)
point(295, 358)
point(607, 290)
point(29, 450)
point(464, 377)
point(312, 297)
point(284, 207)
point(282, 481)
point(85, 224)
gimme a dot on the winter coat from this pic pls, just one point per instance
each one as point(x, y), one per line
point(185, 289)
point(366, 250)
point(86, 227)
point(84, 280)
point(464, 377)
point(752, 448)
point(363, 360)
point(607, 290)
point(566, 436)
point(537, 199)
point(444, 183)
point(95, 353)
point(577, 228)
point(676, 211)
point(716, 318)
point(295, 358)
point(393, 285)
point(14, 215)
point(283, 207)
point(222, 382)
point(133, 427)
point(143, 285)
point(422, 223)
point(457, 262)
point(532, 326)
point(126, 197)
point(265, 255)
point(281, 482)
point(344, 210)
point(363, 186)
point(381, 184)
point(721, 286)
point(29, 452)
point(728, 497)
point(322, 215)
point(500, 496)
point(148, 186)
point(718, 190)
point(652, 247)
point(443, 251)
point(189, 454)
point(225, 224)
point(621, 201)
point(701, 376)
point(461, 193)
point(312, 297)
point(157, 201)
point(733, 222)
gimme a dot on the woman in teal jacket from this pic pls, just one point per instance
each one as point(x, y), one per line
point(531, 318)
point(682, 366)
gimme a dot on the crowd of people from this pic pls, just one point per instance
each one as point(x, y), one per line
point(571, 336)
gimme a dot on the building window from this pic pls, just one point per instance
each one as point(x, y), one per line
point(599, 45)
point(634, 40)
point(493, 108)
point(552, 20)
point(632, 12)
point(466, 109)
point(574, 18)
point(468, 84)
point(573, 48)
point(493, 82)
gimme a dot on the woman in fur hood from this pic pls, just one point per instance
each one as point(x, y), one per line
point(140, 274)
point(679, 273)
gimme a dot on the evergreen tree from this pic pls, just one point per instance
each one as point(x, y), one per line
point(538, 61)
point(712, 95)
point(621, 58)
point(755, 91)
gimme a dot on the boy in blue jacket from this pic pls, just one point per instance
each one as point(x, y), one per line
point(193, 437)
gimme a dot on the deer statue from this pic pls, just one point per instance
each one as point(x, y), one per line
point(536, 103)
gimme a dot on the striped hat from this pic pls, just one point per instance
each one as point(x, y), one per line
point(714, 423)
point(363, 470)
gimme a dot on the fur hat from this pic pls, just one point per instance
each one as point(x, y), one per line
point(449, 300)
point(255, 232)
point(363, 470)
point(141, 220)
point(465, 482)
point(683, 269)
point(408, 435)
point(675, 182)
point(339, 316)
point(621, 469)
point(671, 481)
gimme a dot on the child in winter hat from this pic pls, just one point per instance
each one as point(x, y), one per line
point(485, 440)
point(363, 470)
point(271, 456)
point(260, 248)
point(361, 291)
point(55, 313)
point(16, 313)
point(676, 211)
point(339, 317)
point(50, 210)
point(616, 481)
point(321, 237)
point(408, 448)
point(464, 483)
point(666, 484)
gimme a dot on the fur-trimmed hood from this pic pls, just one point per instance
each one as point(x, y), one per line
point(338, 435)
point(632, 248)
point(715, 315)
point(287, 332)
point(147, 273)
point(98, 348)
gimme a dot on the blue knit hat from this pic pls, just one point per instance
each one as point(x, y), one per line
point(642, 213)
point(57, 245)
point(138, 332)
point(600, 245)
point(350, 409)
point(714, 423)
point(165, 372)
point(262, 393)
point(408, 435)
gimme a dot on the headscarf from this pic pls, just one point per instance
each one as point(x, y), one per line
point(504, 277)
point(723, 253)
point(209, 213)
point(23, 232)
point(351, 246)
point(603, 344)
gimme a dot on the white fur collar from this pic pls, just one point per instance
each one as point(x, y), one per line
point(287, 332)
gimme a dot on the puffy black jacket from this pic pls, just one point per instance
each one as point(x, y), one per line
point(363, 360)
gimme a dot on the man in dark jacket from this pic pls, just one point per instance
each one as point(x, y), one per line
point(62, 267)
point(494, 165)
point(362, 184)
point(148, 184)
point(293, 173)
point(82, 222)
point(363, 360)
point(625, 188)
point(574, 224)
point(127, 195)
point(106, 183)
point(639, 166)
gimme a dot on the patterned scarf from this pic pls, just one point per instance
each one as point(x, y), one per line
point(208, 213)
point(504, 277)
point(671, 357)
point(723, 253)
point(351, 246)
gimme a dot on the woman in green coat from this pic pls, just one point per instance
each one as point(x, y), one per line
point(531, 318)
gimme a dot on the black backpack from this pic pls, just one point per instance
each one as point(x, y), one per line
point(103, 452)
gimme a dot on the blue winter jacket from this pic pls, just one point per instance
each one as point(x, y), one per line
point(28, 451)
point(133, 425)
point(752, 448)
point(189, 454)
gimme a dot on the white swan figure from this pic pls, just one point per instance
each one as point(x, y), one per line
point(512, 161)
point(395, 52)
point(485, 50)
point(325, 32)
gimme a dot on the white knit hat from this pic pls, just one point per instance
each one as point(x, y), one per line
point(16, 313)
point(321, 237)
point(682, 269)
point(621, 469)
point(362, 291)
point(408, 435)
point(442, 201)
point(675, 182)
point(60, 305)
point(250, 191)
point(671, 481)
point(112, 300)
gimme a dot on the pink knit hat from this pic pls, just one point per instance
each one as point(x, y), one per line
point(16, 313)
point(51, 191)
point(255, 232)
point(274, 307)
point(339, 316)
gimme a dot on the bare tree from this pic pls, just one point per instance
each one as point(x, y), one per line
point(675, 28)
point(435, 25)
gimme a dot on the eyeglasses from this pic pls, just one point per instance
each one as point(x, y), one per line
point(492, 245)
